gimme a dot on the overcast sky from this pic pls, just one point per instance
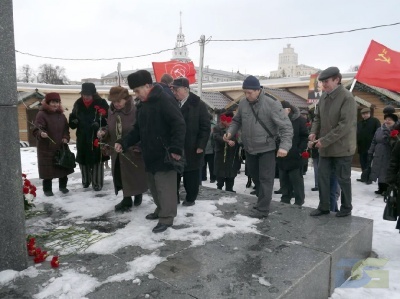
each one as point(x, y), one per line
point(111, 29)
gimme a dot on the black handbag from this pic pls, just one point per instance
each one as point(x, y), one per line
point(64, 157)
point(276, 138)
point(390, 212)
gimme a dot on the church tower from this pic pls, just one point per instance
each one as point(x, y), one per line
point(180, 52)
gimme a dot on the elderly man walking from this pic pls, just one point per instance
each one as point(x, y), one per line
point(160, 128)
point(261, 119)
point(335, 124)
point(198, 124)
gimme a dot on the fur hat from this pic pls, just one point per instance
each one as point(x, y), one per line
point(328, 73)
point(52, 96)
point(88, 89)
point(388, 109)
point(139, 78)
point(251, 82)
point(394, 117)
point(117, 93)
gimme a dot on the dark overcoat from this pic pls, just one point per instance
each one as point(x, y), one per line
point(131, 178)
point(365, 132)
point(159, 125)
point(56, 126)
point(198, 126)
point(87, 121)
point(381, 150)
point(226, 159)
point(293, 159)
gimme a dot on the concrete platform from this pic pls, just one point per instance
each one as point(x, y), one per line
point(293, 256)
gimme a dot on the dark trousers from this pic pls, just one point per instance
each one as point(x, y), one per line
point(341, 166)
point(92, 174)
point(48, 183)
point(261, 168)
point(190, 183)
point(208, 159)
point(364, 160)
point(292, 182)
point(228, 182)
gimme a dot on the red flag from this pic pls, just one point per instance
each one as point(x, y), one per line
point(176, 69)
point(380, 67)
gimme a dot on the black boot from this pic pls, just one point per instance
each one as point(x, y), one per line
point(381, 188)
point(124, 205)
point(229, 185)
point(138, 200)
point(248, 185)
point(47, 186)
point(62, 184)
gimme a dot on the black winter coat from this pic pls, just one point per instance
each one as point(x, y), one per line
point(198, 127)
point(86, 121)
point(293, 159)
point(365, 133)
point(226, 159)
point(393, 172)
point(159, 123)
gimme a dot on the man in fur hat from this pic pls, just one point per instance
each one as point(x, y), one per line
point(160, 128)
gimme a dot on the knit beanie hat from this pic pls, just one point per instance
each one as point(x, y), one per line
point(52, 96)
point(139, 78)
point(251, 82)
point(117, 93)
point(286, 104)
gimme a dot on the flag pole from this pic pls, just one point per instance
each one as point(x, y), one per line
point(200, 78)
point(352, 85)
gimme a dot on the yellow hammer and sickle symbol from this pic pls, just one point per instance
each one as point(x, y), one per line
point(383, 57)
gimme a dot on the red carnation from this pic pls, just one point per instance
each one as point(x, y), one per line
point(24, 175)
point(25, 190)
point(96, 143)
point(33, 193)
point(32, 251)
point(97, 107)
point(32, 241)
point(102, 112)
point(33, 188)
point(27, 183)
point(305, 155)
point(54, 262)
point(394, 133)
point(308, 124)
point(39, 258)
point(38, 251)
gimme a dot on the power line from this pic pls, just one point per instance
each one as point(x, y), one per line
point(96, 59)
point(304, 36)
point(217, 40)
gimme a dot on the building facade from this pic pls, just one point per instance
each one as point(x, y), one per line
point(288, 65)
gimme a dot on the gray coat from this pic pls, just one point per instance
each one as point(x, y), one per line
point(381, 150)
point(335, 123)
point(254, 138)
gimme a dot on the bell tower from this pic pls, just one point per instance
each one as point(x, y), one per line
point(180, 51)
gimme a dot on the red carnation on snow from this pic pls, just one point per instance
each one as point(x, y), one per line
point(55, 262)
point(24, 175)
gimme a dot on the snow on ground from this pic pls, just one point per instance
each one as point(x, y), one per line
point(205, 225)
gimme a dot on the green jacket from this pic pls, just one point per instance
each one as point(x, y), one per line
point(335, 123)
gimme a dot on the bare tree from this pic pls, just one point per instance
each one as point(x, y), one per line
point(52, 74)
point(26, 74)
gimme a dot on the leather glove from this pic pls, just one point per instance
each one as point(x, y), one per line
point(95, 126)
point(370, 158)
point(75, 121)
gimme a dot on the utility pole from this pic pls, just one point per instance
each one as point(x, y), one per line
point(13, 253)
point(200, 78)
